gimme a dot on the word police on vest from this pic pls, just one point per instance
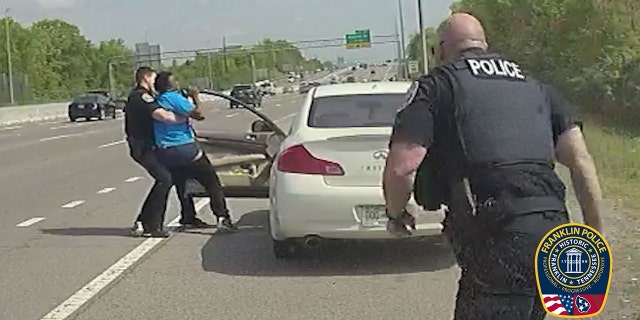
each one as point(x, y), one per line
point(495, 68)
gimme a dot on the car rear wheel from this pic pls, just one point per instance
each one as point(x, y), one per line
point(73, 119)
point(285, 249)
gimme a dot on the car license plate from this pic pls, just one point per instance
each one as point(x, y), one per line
point(372, 216)
point(80, 106)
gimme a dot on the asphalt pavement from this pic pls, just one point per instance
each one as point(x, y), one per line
point(70, 193)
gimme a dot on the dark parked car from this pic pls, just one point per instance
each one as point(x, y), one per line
point(92, 105)
point(247, 94)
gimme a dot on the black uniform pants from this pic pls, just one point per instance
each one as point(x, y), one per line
point(155, 204)
point(498, 274)
point(202, 171)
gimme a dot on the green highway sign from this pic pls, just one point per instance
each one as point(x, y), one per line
point(358, 39)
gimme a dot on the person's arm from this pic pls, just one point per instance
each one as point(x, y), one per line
point(158, 113)
point(412, 136)
point(167, 116)
point(196, 113)
point(571, 151)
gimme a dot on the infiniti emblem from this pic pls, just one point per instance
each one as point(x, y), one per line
point(380, 154)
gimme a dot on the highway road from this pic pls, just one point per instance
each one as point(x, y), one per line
point(70, 193)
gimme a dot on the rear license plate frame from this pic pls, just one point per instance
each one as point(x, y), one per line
point(371, 216)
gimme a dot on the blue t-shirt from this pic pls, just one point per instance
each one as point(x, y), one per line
point(173, 134)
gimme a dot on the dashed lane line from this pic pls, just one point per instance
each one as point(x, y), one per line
point(111, 144)
point(132, 179)
point(29, 222)
point(72, 204)
point(106, 190)
point(70, 306)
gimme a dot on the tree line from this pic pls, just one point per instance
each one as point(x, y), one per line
point(53, 61)
point(587, 48)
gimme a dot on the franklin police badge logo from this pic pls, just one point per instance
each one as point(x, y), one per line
point(573, 271)
point(147, 97)
point(411, 94)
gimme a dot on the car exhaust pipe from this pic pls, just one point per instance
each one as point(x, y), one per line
point(312, 242)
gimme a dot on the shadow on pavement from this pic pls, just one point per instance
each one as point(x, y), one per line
point(248, 253)
point(88, 231)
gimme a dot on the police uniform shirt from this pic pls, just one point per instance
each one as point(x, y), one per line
point(427, 116)
point(138, 120)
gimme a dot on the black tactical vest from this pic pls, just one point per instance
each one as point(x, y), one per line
point(503, 117)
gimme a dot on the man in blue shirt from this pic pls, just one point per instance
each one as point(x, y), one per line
point(178, 150)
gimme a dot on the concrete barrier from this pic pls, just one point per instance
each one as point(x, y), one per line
point(33, 113)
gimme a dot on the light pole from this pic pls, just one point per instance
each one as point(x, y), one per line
point(423, 39)
point(402, 44)
point(9, 64)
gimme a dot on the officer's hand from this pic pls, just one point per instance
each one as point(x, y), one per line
point(402, 226)
point(193, 92)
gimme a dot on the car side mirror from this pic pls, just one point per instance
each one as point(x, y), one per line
point(260, 126)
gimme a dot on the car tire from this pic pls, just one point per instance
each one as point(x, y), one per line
point(73, 119)
point(284, 249)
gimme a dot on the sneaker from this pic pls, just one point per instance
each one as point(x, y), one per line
point(226, 224)
point(195, 224)
point(156, 234)
point(137, 229)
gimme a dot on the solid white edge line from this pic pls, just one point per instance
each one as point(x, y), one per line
point(29, 222)
point(95, 286)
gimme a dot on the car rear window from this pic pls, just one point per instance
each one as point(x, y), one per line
point(241, 88)
point(372, 110)
point(87, 99)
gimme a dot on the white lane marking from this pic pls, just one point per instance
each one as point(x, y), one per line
point(73, 125)
point(72, 204)
point(277, 104)
point(10, 128)
point(115, 143)
point(62, 136)
point(232, 115)
point(133, 179)
point(67, 308)
point(47, 122)
point(106, 190)
point(285, 117)
point(29, 222)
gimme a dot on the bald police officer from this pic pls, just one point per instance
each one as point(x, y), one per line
point(492, 132)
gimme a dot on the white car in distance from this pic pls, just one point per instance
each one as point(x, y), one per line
point(326, 179)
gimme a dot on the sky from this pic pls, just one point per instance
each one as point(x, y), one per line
point(198, 24)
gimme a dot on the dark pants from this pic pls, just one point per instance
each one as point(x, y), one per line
point(202, 171)
point(498, 274)
point(154, 206)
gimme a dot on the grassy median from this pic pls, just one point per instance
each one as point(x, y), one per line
point(617, 156)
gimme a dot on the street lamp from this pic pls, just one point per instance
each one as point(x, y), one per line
point(402, 44)
point(423, 39)
point(9, 64)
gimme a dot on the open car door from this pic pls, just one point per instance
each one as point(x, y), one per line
point(242, 160)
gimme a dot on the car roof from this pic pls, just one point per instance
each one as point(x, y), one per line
point(359, 88)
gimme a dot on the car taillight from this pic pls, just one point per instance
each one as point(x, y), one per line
point(297, 159)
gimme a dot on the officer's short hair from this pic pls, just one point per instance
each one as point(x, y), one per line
point(163, 83)
point(143, 72)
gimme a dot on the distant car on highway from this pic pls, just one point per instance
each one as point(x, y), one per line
point(323, 177)
point(350, 79)
point(92, 105)
point(246, 93)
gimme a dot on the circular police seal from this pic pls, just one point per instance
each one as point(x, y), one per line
point(411, 93)
point(147, 97)
point(573, 271)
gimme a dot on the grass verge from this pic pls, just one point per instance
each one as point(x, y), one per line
point(617, 156)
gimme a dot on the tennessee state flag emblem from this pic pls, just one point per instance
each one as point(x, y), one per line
point(573, 271)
